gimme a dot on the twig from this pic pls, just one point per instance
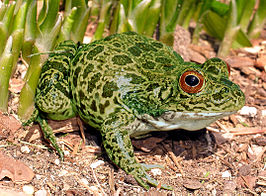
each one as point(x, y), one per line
point(87, 187)
point(246, 131)
point(81, 131)
point(215, 130)
point(111, 181)
point(222, 126)
point(97, 182)
point(34, 145)
point(225, 162)
point(252, 192)
point(174, 158)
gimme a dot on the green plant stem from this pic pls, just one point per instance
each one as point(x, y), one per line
point(26, 105)
point(103, 20)
point(170, 10)
point(6, 62)
point(259, 20)
point(66, 28)
point(30, 32)
point(46, 35)
point(231, 31)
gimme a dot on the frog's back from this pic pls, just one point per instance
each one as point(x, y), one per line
point(106, 70)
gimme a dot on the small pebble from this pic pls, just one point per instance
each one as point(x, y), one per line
point(41, 192)
point(93, 189)
point(25, 149)
point(96, 164)
point(28, 189)
point(255, 150)
point(57, 161)
point(86, 40)
point(263, 194)
point(248, 111)
point(66, 153)
point(263, 113)
point(62, 173)
point(178, 175)
point(66, 186)
point(84, 181)
point(156, 172)
point(226, 174)
point(253, 50)
point(38, 177)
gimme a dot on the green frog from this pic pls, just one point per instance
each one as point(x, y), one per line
point(127, 85)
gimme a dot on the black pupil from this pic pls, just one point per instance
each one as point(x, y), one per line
point(192, 80)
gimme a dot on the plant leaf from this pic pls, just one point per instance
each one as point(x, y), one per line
point(214, 24)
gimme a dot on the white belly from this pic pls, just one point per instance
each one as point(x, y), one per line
point(174, 120)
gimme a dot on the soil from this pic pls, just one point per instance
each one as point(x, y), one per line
point(226, 158)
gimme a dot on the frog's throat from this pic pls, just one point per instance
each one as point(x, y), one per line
point(176, 120)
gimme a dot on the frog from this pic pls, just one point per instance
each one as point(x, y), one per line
point(128, 85)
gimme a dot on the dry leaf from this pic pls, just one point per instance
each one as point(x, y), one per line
point(16, 170)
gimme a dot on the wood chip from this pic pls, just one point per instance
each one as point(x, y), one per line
point(239, 61)
point(192, 184)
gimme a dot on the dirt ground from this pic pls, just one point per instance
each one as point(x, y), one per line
point(226, 158)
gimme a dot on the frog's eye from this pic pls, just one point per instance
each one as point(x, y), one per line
point(191, 81)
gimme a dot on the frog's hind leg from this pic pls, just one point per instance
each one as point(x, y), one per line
point(117, 143)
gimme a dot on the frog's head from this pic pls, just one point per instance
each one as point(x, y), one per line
point(202, 94)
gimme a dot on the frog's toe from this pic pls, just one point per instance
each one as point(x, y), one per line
point(147, 167)
point(145, 181)
point(142, 182)
point(154, 183)
point(59, 151)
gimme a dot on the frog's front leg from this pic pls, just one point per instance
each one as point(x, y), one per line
point(49, 135)
point(117, 143)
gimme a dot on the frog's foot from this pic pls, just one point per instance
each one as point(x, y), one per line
point(49, 136)
point(145, 180)
point(119, 149)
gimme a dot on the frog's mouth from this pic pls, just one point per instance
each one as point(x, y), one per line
point(183, 120)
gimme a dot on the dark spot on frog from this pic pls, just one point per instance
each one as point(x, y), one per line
point(148, 65)
point(121, 60)
point(213, 70)
point(163, 60)
point(93, 106)
point(146, 47)
point(134, 50)
point(103, 106)
point(82, 95)
point(108, 38)
point(116, 44)
point(101, 59)
point(83, 110)
point(151, 87)
point(92, 83)
point(62, 89)
point(76, 59)
point(157, 44)
point(166, 63)
point(108, 89)
point(95, 51)
point(89, 68)
point(75, 76)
